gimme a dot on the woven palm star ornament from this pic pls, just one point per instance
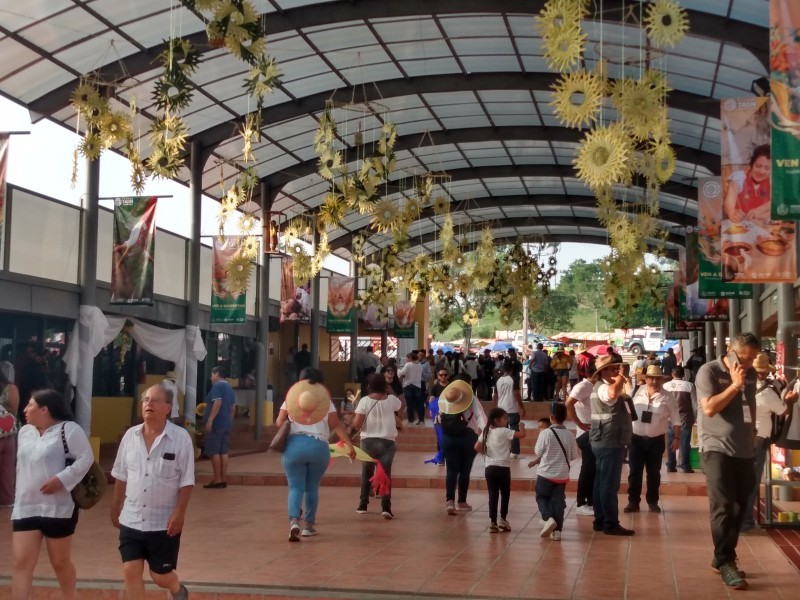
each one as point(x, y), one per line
point(666, 22)
point(577, 97)
point(602, 156)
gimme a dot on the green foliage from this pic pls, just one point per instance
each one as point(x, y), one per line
point(554, 313)
point(584, 281)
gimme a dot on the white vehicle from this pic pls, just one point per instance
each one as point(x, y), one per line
point(644, 340)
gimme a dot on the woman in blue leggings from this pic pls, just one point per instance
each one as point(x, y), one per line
point(312, 416)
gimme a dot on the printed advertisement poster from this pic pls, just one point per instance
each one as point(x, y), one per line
point(709, 255)
point(341, 304)
point(295, 299)
point(755, 248)
point(404, 319)
point(376, 318)
point(133, 248)
point(226, 307)
point(697, 308)
point(677, 325)
point(784, 63)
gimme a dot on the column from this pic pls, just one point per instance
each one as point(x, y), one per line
point(787, 325)
point(196, 162)
point(354, 333)
point(721, 328)
point(709, 341)
point(754, 311)
point(88, 262)
point(735, 310)
point(262, 343)
point(315, 303)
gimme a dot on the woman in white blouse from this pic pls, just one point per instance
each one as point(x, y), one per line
point(43, 506)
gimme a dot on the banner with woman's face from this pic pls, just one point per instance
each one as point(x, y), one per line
point(341, 304)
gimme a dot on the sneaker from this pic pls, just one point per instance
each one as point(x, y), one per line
point(362, 509)
point(631, 508)
point(504, 526)
point(654, 508)
point(450, 506)
point(741, 573)
point(181, 594)
point(619, 530)
point(294, 531)
point(556, 536)
point(464, 506)
point(309, 530)
point(731, 576)
point(548, 527)
point(672, 470)
point(493, 528)
point(386, 513)
point(689, 470)
point(585, 511)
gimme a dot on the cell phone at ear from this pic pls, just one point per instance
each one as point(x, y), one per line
point(733, 358)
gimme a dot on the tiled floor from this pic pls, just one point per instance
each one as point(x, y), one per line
point(235, 546)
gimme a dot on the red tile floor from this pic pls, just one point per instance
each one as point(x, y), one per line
point(235, 547)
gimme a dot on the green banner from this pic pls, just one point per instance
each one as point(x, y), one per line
point(133, 250)
point(404, 320)
point(341, 304)
point(785, 108)
point(697, 308)
point(226, 307)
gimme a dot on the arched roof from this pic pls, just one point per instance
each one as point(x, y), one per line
point(464, 80)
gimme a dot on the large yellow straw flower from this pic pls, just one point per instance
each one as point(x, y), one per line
point(664, 162)
point(384, 216)
point(576, 98)
point(602, 156)
point(666, 23)
point(642, 107)
point(564, 50)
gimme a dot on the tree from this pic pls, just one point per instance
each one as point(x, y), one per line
point(649, 312)
point(584, 281)
point(554, 312)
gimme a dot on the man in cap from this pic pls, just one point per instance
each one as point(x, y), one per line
point(655, 408)
point(726, 391)
point(610, 433)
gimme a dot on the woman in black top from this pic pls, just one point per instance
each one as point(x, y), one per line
point(393, 384)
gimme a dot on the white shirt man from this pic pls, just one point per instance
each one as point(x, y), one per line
point(411, 373)
point(509, 399)
point(579, 407)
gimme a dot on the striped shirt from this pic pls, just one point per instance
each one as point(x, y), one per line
point(155, 478)
point(554, 465)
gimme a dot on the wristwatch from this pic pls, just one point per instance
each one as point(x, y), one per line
point(738, 387)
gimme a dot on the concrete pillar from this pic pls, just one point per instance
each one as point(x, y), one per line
point(709, 342)
point(354, 333)
point(721, 331)
point(754, 311)
point(88, 263)
point(315, 281)
point(262, 346)
point(196, 163)
point(735, 324)
point(787, 327)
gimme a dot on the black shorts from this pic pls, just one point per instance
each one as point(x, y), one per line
point(156, 547)
point(50, 527)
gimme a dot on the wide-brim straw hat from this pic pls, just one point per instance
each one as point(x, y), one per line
point(654, 371)
point(605, 361)
point(762, 364)
point(455, 398)
point(307, 403)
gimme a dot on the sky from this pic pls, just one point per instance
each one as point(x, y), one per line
point(42, 163)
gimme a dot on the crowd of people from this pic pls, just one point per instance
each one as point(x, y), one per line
point(641, 414)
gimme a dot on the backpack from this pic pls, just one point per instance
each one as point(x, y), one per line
point(453, 425)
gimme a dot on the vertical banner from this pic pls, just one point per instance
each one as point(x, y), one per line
point(226, 307)
point(784, 63)
point(341, 304)
point(675, 314)
point(754, 248)
point(3, 169)
point(404, 319)
point(295, 299)
point(376, 318)
point(709, 245)
point(133, 250)
point(697, 308)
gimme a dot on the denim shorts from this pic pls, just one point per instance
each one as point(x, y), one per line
point(217, 442)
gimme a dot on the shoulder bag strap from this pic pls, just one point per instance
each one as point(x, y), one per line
point(67, 459)
point(558, 439)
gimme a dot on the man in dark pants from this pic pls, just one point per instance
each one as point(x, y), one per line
point(579, 408)
point(726, 397)
point(610, 433)
point(683, 391)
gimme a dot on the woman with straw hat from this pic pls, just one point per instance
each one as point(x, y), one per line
point(309, 408)
point(656, 409)
point(462, 419)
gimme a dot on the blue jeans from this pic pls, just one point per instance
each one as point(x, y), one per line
point(304, 461)
point(685, 447)
point(552, 500)
point(748, 521)
point(606, 487)
point(513, 423)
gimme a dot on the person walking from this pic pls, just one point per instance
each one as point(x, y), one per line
point(555, 450)
point(726, 392)
point(220, 405)
point(462, 419)
point(684, 394)
point(609, 435)
point(312, 415)
point(507, 397)
point(538, 367)
point(656, 409)
point(561, 364)
point(9, 402)
point(375, 417)
point(579, 409)
point(495, 445)
point(154, 472)
point(411, 376)
point(43, 506)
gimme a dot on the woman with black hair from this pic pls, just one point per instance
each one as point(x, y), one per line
point(43, 506)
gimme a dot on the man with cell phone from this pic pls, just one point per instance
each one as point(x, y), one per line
point(726, 391)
